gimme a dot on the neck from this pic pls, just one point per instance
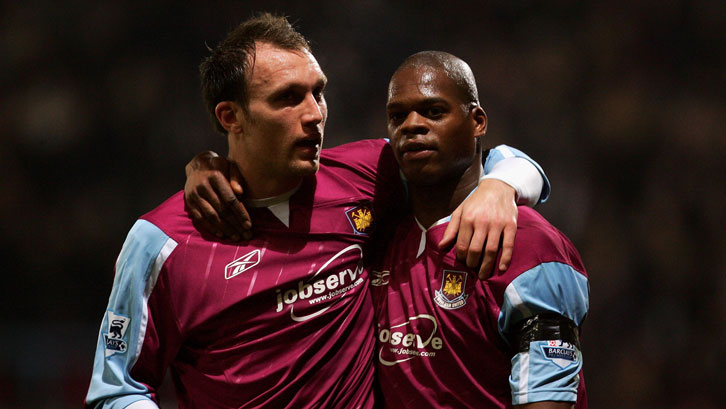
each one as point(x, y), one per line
point(260, 184)
point(433, 202)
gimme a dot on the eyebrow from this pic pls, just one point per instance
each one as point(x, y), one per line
point(321, 82)
point(422, 102)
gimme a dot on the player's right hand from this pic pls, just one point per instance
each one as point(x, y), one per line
point(212, 192)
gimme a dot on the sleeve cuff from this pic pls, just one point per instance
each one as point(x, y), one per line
point(520, 174)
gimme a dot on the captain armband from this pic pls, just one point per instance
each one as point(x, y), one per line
point(544, 327)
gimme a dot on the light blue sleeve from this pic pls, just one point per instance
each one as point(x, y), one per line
point(503, 152)
point(550, 369)
point(125, 322)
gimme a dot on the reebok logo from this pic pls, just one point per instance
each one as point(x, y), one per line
point(242, 264)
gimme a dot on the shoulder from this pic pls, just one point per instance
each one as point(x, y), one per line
point(546, 273)
point(362, 148)
point(171, 217)
point(367, 155)
point(538, 241)
point(367, 167)
point(145, 245)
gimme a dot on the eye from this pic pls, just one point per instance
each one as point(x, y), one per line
point(396, 116)
point(434, 112)
point(319, 94)
point(289, 97)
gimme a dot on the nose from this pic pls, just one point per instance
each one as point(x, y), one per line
point(314, 111)
point(414, 124)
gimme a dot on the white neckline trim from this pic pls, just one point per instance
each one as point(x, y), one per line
point(278, 205)
point(269, 201)
point(422, 242)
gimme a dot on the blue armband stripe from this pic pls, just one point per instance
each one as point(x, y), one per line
point(549, 370)
point(537, 377)
point(548, 287)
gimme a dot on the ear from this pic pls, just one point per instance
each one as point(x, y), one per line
point(230, 115)
point(480, 121)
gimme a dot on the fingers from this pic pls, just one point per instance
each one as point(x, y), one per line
point(230, 210)
point(466, 229)
point(199, 221)
point(473, 255)
point(490, 253)
point(451, 230)
point(201, 213)
point(212, 198)
point(241, 215)
point(236, 214)
point(207, 201)
point(212, 210)
point(238, 209)
point(507, 246)
point(235, 179)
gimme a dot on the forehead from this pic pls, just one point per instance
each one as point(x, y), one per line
point(419, 83)
point(274, 66)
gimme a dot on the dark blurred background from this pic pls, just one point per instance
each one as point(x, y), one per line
point(621, 103)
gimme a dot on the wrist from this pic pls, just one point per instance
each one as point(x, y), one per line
point(500, 186)
point(522, 176)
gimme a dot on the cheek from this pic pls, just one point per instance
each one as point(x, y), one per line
point(392, 133)
point(282, 126)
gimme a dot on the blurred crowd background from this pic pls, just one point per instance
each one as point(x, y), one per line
point(621, 102)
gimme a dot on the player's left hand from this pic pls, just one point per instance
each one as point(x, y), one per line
point(484, 220)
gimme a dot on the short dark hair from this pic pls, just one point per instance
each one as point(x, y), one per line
point(226, 72)
point(454, 67)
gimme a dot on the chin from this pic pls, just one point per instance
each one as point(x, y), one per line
point(425, 177)
point(307, 168)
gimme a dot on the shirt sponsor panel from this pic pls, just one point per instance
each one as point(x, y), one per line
point(311, 297)
point(415, 338)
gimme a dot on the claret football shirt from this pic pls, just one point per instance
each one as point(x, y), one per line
point(284, 320)
point(442, 333)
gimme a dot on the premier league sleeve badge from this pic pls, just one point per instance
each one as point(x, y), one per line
point(114, 338)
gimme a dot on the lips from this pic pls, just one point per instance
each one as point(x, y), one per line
point(416, 149)
point(310, 143)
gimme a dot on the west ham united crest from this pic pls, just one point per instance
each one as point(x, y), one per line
point(452, 294)
point(361, 219)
